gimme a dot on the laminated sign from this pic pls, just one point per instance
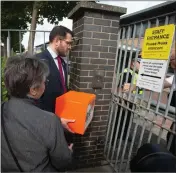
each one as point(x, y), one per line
point(155, 54)
point(78, 106)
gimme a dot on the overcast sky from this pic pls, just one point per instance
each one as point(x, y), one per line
point(132, 6)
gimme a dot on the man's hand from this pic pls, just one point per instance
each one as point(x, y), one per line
point(126, 87)
point(65, 124)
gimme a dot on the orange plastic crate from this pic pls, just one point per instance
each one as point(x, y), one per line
point(78, 106)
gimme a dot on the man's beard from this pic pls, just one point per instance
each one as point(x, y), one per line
point(61, 53)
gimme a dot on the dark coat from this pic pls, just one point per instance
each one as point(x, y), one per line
point(54, 86)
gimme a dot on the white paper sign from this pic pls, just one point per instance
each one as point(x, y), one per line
point(152, 74)
point(90, 111)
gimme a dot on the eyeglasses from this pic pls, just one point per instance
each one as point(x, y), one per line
point(72, 43)
point(69, 43)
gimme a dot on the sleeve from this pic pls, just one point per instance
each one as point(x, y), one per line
point(60, 154)
point(170, 79)
point(124, 78)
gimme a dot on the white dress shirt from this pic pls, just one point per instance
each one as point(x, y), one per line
point(54, 55)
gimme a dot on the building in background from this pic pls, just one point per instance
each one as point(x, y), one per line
point(39, 48)
point(158, 15)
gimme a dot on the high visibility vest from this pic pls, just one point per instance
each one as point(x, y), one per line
point(134, 79)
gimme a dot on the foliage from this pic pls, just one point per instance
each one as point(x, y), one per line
point(4, 96)
point(18, 15)
point(14, 16)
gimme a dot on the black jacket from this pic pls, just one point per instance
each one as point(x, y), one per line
point(54, 86)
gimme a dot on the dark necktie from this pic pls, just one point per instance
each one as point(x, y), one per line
point(61, 72)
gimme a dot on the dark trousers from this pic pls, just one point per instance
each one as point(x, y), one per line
point(129, 114)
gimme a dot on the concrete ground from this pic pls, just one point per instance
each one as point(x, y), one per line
point(102, 169)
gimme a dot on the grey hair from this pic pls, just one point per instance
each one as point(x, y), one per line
point(23, 72)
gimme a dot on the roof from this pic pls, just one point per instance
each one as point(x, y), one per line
point(160, 9)
point(42, 44)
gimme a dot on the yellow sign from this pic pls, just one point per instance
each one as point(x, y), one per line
point(157, 42)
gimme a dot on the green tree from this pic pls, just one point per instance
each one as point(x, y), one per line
point(18, 14)
point(3, 89)
point(54, 11)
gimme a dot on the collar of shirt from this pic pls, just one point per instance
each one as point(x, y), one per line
point(53, 54)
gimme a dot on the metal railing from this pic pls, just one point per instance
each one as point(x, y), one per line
point(12, 37)
point(8, 35)
point(147, 120)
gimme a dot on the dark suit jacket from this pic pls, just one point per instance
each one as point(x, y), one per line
point(54, 87)
point(36, 137)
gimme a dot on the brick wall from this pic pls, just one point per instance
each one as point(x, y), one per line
point(97, 32)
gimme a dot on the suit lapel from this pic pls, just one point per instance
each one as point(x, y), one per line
point(53, 68)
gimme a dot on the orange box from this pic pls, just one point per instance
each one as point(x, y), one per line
point(78, 106)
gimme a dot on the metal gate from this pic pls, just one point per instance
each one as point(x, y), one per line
point(148, 116)
point(11, 41)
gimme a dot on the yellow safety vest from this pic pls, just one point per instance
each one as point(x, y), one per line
point(134, 79)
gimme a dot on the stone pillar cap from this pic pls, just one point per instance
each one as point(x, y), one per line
point(81, 6)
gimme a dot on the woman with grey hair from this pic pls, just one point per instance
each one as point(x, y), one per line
point(31, 139)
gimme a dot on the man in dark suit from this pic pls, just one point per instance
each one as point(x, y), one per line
point(60, 40)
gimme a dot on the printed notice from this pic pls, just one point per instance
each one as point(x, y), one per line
point(152, 74)
point(157, 42)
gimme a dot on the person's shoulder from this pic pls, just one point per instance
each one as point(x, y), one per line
point(127, 71)
point(42, 55)
point(30, 109)
point(51, 118)
point(44, 114)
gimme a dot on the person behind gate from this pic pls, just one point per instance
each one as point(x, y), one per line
point(60, 41)
point(168, 83)
point(126, 87)
point(32, 140)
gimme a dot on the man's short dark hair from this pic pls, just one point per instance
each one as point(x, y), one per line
point(23, 72)
point(59, 31)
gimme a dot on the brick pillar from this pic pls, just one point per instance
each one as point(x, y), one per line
point(96, 25)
